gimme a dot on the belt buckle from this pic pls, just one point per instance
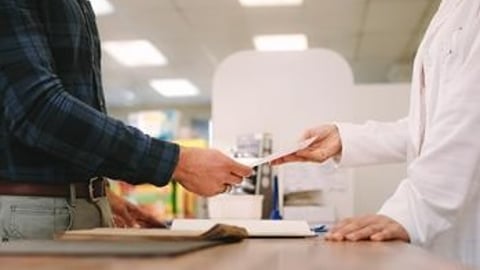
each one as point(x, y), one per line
point(91, 189)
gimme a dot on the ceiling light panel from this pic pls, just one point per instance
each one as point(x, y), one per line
point(270, 3)
point(135, 53)
point(102, 7)
point(294, 42)
point(173, 88)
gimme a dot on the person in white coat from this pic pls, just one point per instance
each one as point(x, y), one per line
point(437, 206)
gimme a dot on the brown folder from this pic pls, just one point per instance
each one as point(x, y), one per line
point(125, 242)
point(219, 232)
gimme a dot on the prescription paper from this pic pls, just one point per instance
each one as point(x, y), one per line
point(282, 153)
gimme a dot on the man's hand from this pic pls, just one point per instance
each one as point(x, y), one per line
point(327, 145)
point(127, 215)
point(208, 172)
point(371, 227)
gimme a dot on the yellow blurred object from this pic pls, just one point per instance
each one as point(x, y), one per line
point(186, 201)
point(165, 203)
point(200, 143)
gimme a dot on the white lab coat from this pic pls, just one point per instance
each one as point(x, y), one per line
point(439, 201)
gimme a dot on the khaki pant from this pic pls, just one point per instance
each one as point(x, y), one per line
point(26, 217)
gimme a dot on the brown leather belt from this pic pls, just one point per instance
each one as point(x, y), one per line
point(93, 189)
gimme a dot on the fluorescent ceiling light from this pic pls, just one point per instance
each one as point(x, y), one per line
point(174, 88)
point(135, 53)
point(295, 42)
point(270, 3)
point(102, 7)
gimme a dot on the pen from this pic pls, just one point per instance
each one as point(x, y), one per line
point(275, 213)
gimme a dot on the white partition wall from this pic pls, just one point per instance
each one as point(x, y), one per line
point(280, 92)
point(286, 92)
point(283, 93)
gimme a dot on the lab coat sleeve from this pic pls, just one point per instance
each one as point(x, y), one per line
point(373, 143)
point(442, 181)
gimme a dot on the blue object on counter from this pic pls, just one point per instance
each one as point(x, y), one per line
point(319, 229)
point(275, 213)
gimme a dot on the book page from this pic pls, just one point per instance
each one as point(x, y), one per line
point(218, 232)
point(254, 227)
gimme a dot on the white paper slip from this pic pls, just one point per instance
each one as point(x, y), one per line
point(254, 227)
point(285, 152)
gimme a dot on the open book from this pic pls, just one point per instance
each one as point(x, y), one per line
point(230, 230)
point(218, 232)
point(125, 242)
point(254, 227)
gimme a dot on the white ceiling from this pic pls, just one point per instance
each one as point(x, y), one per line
point(377, 37)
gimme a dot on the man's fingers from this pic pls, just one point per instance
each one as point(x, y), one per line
point(127, 219)
point(240, 170)
point(225, 188)
point(233, 179)
point(227, 185)
point(146, 220)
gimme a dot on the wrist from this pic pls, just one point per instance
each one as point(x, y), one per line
point(337, 140)
point(181, 170)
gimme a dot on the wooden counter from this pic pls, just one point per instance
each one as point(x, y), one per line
point(262, 254)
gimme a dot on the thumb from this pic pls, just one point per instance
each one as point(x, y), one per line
point(240, 169)
point(308, 134)
point(321, 132)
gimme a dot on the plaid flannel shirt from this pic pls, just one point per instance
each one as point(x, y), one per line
point(53, 125)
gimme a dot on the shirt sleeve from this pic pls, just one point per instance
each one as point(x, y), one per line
point(373, 143)
point(42, 115)
point(443, 180)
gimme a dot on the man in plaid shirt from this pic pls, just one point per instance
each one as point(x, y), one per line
point(56, 141)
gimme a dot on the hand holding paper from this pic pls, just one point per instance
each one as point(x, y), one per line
point(321, 143)
point(283, 153)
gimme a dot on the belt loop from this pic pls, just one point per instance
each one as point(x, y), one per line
point(71, 205)
point(91, 188)
point(73, 195)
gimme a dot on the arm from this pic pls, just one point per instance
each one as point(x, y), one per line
point(443, 180)
point(373, 142)
point(128, 215)
point(352, 144)
point(42, 115)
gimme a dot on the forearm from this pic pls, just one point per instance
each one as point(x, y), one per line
point(60, 125)
point(373, 143)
